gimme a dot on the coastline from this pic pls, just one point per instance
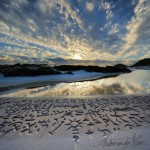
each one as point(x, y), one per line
point(51, 82)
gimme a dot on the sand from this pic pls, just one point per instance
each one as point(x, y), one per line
point(75, 123)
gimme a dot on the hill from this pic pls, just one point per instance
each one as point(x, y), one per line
point(36, 69)
point(143, 62)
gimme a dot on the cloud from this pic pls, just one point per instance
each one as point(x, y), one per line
point(107, 6)
point(45, 6)
point(138, 26)
point(134, 2)
point(114, 29)
point(12, 59)
point(89, 6)
point(94, 30)
point(18, 3)
point(32, 25)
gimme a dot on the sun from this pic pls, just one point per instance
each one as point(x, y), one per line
point(77, 56)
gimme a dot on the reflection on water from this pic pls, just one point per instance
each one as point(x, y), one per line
point(137, 81)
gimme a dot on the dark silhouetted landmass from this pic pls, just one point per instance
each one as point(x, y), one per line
point(38, 69)
point(27, 70)
point(43, 69)
point(107, 69)
point(143, 62)
point(120, 66)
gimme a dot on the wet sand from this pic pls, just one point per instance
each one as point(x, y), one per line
point(46, 83)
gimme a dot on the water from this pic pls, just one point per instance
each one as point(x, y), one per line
point(138, 81)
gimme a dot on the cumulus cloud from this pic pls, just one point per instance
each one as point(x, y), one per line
point(89, 6)
point(107, 6)
point(114, 29)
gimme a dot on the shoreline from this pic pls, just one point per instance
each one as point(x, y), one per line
point(46, 83)
point(84, 97)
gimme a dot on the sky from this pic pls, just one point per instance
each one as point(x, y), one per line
point(87, 32)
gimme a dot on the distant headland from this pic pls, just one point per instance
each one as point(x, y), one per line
point(44, 69)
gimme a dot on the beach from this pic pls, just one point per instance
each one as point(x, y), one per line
point(75, 123)
point(74, 75)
